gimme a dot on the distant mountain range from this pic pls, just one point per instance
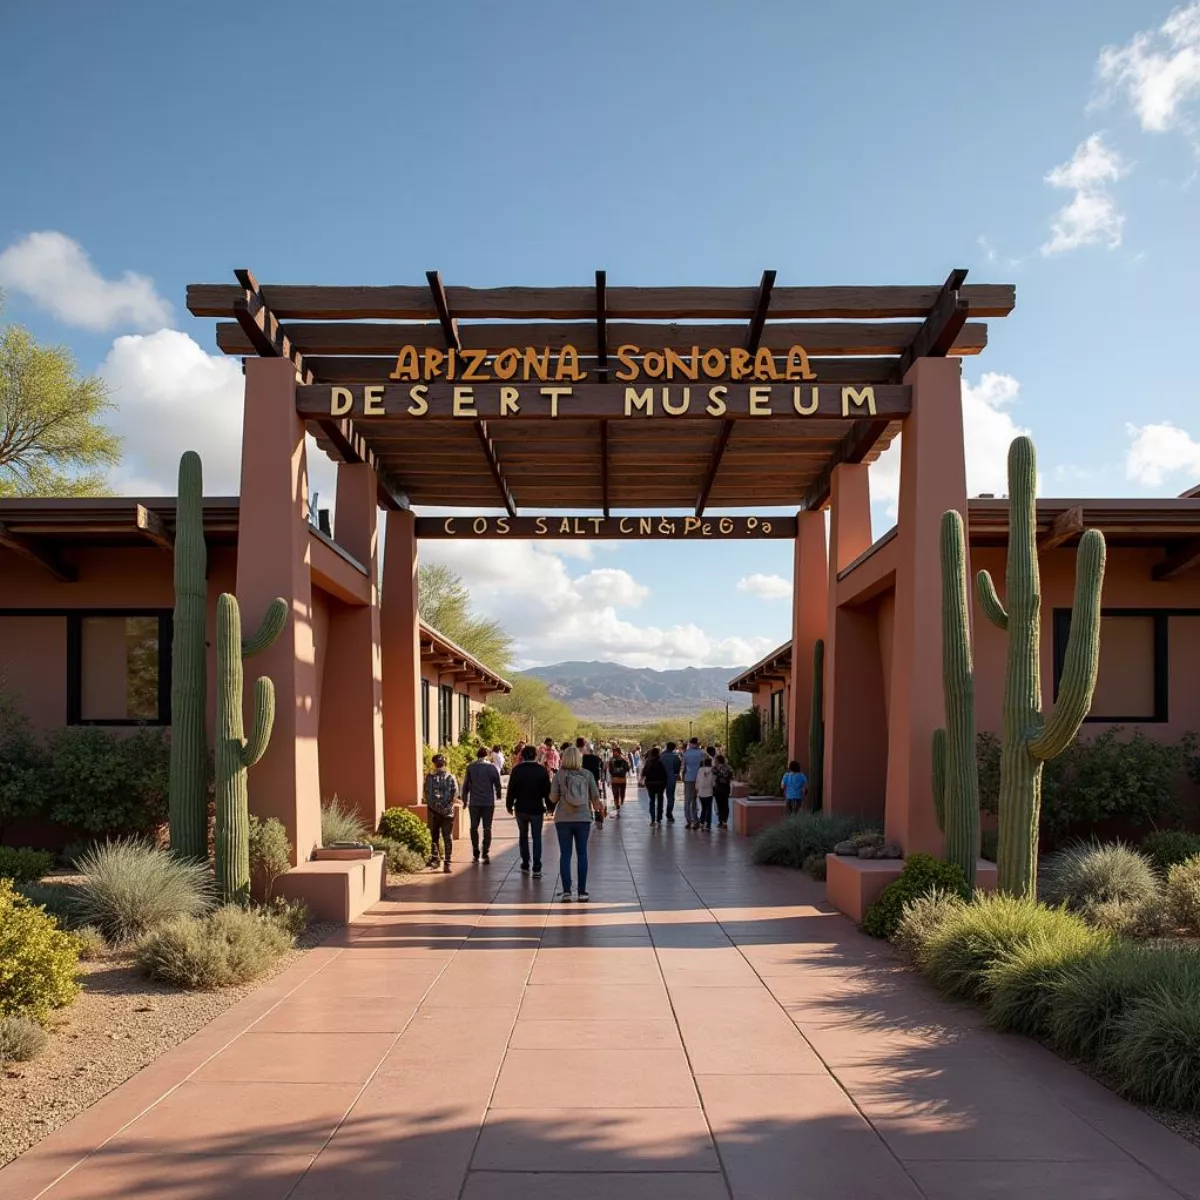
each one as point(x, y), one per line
point(612, 692)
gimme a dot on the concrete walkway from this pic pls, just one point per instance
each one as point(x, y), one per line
point(703, 1030)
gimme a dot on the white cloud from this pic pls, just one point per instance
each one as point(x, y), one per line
point(1158, 71)
point(171, 396)
point(766, 587)
point(1092, 216)
point(988, 428)
point(1156, 451)
point(554, 615)
point(57, 274)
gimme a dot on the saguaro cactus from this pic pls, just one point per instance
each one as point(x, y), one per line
point(816, 728)
point(1031, 737)
point(188, 803)
point(236, 753)
point(955, 773)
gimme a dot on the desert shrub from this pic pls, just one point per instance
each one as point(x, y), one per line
point(339, 823)
point(22, 763)
point(921, 916)
point(744, 731)
point(90, 942)
point(1130, 918)
point(766, 761)
point(1154, 1054)
point(24, 865)
point(38, 961)
point(962, 950)
point(106, 782)
point(401, 859)
point(814, 865)
point(989, 840)
point(1183, 894)
point(1021, 984)
point(495, 728)
point(1166, 847)
point(1096, 873)
point(270, 853)
point(798, 837)
point(229, 946)
point(292, 916)
point(922, 874)
point(404, 826)
point(21, 1039)
point(130, 887)
point(58, 899)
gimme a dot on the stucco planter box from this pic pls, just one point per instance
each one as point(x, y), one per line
point(752, 813)
point(336, 889)
point(739, 790)
point(341, 853)
point(852, 885)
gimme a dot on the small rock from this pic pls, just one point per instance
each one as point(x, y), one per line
point(889, 850)
point(145, 1008)
point(847, 848)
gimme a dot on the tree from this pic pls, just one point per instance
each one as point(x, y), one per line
point(540, 715)
point(445, 603)
point(51, 440)
point(498, 729)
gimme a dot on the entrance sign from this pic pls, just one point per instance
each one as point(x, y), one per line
point(617, 528)
point(603, 401)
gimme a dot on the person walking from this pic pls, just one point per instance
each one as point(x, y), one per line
point(693, 757)
point(497, 759)
point(673, 765)
point(439, 792)
point(793, 785)
point(594, 765)
point(722, 786)
point(574, 795)
point(528, 799)
point(548, 755)
point(618, 774)
point(704, 794)
point(654, 778)
point(481, 790)
point(635, 760)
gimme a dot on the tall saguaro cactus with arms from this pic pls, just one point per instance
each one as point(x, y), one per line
point(236, 753)
point(1030, 736)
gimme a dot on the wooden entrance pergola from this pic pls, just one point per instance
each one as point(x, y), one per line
point(594, 403)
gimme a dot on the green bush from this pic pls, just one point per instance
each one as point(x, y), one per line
point(1090, 873)
point(744, 731)
point(20, 1039)
point(766, 762)
point(24, 865)
point(970, 942)
point(1183, 894)
point(340, 823)
point(1021, 984)
point(798, 837)
point(292, 916)
point(58, 899)
point(1147, 918)
point(229, 946)
point(23, 765)
point(921, 917)
point(922, 874)
point(401, 859)
point(38, 961)
point(814, 865)
point(1154, 1055)
point(404, 826)
point(498, 729)
point(131, 887)
point(270, 853)
point(1166, 847)
point(90, 943)
point(106, 782)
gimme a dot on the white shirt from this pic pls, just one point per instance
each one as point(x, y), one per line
point(498, 760)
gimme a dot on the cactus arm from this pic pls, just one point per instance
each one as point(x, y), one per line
point(1083, 653)
point(274, 619)
point(939, 777)
point(989, 601)
point(255, 746)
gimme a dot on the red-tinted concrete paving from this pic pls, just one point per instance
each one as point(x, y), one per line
point(703, 1029)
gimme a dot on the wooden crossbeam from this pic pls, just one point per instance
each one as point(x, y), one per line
point(853, 448)
point(45, 558)
point(151, 526)
point(489, 452)
point(442, 306)
point(940, 329)
point(1176, 563)
point(714, 464)
point(1068, 524)
point(602, 325)
point(604, 452)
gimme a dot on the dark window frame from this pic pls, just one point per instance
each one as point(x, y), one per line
point(464, 712)
point(425, 711)
point(445, 715)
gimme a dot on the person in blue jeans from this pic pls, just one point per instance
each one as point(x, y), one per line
point(528, 799)
point(693, 759)
point(793, 785)
point(672, 765)
point(574, 795)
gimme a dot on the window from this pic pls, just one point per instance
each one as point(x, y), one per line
point(775, 716)
point(1132, 681)
point(464, 712)
point(425, 711)
point(119, 668)
point(445, 715)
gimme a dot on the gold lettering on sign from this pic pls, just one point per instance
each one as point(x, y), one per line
point(629, 368)
point(509, 396)
point(341, 401)
point(555, 393)
point(502, 525)
point(739, 362)
point(713, 363)
point(678, 407)
point(449, 526)
point(474, 360)
point(418, 394)
point(568, 364)
point(373, 400)
point(407, 365)
point(464, 402)
point(716, 401)
point(764, 364)
point(653, 364)
point(540, 525)
point(639, 400)
point(797, 364)
point(624, 526)
point(480, 525)
point(505, 364)
point(691, 524)
point(760, 401)
point(859, 399)
point(725, 524)
point(805, 410)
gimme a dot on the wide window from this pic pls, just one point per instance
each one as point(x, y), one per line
point(445, 715)
point(118, 669)
point(1132, 682)
point(425, 711)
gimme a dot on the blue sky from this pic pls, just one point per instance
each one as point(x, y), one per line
point(666, 142)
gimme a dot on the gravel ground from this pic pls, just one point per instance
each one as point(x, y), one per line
point(120, 1023)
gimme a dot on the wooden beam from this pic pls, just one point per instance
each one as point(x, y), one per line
point(151, 526)
point(414, 303)
point(937, 336)
point(489, 453)
point(761, 304)
point(1068, 524)
point(1178, 562)
point(834, 338)
point(442, 307)
point(601, 326)
point(604, 466)
point(854, 447)
point(35, 552)
point(714, 465)
point(567, 526)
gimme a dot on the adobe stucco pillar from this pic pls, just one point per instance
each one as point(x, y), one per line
point(401, 640)
point(352, 692)
point(932, 480)
point(810, 607)
point(849, 647)
point(273, 560)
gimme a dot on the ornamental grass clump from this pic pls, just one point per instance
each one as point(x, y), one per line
point(1183, 894)
point(38, 961)
point(1153, 1056)
point(21, 1039)
point(404, 826)
point(798, 837)
point(921, 917)
point(58, 900)
point(339, 823)
point(1091, 873)
point(131, 887)
point(922, 874)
